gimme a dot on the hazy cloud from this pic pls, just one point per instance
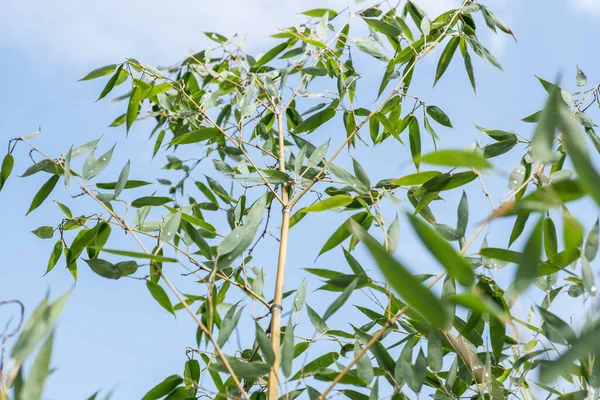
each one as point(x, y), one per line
point(93, 31)
point(592, 6)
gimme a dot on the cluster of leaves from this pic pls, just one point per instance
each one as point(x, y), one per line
point(255, 119)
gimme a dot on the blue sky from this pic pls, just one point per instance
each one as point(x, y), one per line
point(112, 333)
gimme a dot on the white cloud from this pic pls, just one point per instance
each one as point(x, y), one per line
point(592, 6)
point(95, 31)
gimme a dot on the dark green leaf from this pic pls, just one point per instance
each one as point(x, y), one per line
point(528, 267)
point(7, 166)
point(130, 184)
point(196, 136)
point(40, 369)
point(438, 116)
point(446, 57)
point(150, 201)
point(43, 193)
point(287, 349)
point(161, 297)
point(122, 182)
point(456, 265)
point(163, 388)
point(44, 232)
point(419, 297)
point(98, 72)
point(337, 303)
point(229, 323)
point(456, 158)
point(265, 345)
point(315, 121)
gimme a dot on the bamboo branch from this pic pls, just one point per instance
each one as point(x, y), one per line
point(125, 226)
point(402, 311)
point(276, 308)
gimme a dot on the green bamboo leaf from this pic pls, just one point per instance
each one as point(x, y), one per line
point(370, 47)
point(337, 303)
point(122, 182)
point(153, 257)
point(403, 371)
point(269, 55)
point(40, 369)
point(44, 232)
point(347, 177)
point(591, 244)
point(315, 121)
point(527, 270)
point(383, 27)
point(54, 256)
point(382, 356)
point(241, 237)
point(85, 148)
point(317, 156)
point(171, 227)
point(219, 191)
point(40, 323)
point(265, 345)
point(196, 136)
point(300, 297)
point(497, 135)
point(320, 12)
point(329, 203)
point(343, 232)
point(164, 388)
point(43, 193)
point(316, 320)
point(45, 165)
point(463, 215)
point(393, 235)
point(456, 158)
point(197, 238)
point(469, 69)
point(573, 231)
point(580, 78)
point(99, 72)
point(241, 369)
point(150, 201)
point(287, 349)
point(7, 166)
point(555, 328)
point(501, 254)
point(497, 336)
point(419, 372)
point(93, 167)
point(499, 148)
point(229, 323)
point(550, 238)
point(363, 366)
point(438, 116)
point(415, 140)
point(415, 294)
point(161, 297)
point(446, 57)
point(456, 265)
point(318, 363)
point(130, 184)
point(588, 342)
point(587, 277)
point(112, 271)
point(577, 149)
point(416, 178)
point(119, 76)
point(434, 350)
